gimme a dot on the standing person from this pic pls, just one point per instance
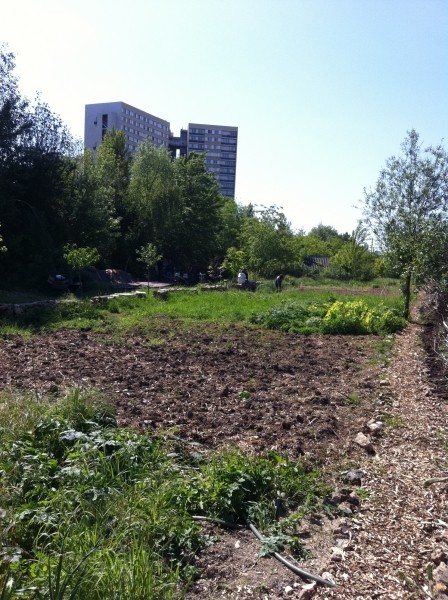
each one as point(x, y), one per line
point(242, 278)
point(278, 282)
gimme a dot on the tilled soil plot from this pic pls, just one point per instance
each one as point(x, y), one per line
point(218, 385)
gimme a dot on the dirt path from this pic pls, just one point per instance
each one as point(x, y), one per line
point(404, 524)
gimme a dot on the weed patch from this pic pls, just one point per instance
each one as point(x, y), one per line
point(393, 421)
point(306, 311)
point(94, 511)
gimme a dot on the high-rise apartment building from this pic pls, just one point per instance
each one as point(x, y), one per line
point(137, 125)
point(218, 142)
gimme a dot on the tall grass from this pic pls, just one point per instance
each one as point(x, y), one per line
point(387, 285)
point(19, 412)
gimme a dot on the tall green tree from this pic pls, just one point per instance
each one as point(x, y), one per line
point(14, 116)
point(14, 123)
point(34, 145)
point(234, 261)
point(112, 175)
point(231, 221)
point(152, 206)
point(407, 205)
point(354, 260)
point(90, 218)
point(322, 240)
point(198, 220)
point(327, 233)
point(268, 242)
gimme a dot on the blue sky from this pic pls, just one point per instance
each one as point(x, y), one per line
point(322, 91)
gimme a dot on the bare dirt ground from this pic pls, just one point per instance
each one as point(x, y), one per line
point(305, 396)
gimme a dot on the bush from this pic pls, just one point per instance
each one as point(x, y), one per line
point(357, 318)
point(334, 317)
point(292, 317)
point(346, 318)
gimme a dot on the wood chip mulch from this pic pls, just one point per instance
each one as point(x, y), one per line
point(400, 534)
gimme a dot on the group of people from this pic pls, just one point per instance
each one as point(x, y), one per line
point(243, 279)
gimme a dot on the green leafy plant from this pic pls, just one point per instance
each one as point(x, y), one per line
point(336, 317)
point(274, 543)
point(103, 512)
point(149, 256)
point(393, 421)
point(362, 493)
point(357, 317)
point(80, 258)
point(353, 399)
point(293, 317)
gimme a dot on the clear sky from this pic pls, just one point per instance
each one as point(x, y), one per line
point(322, 91)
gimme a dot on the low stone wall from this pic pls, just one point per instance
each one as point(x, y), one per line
point(104, 298)
point(15, 310)
point(210, 287)
point(250, 286)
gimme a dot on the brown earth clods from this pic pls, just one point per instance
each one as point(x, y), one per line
point(254, 389)
point(233, 386)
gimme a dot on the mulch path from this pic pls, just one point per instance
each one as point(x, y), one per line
point(401, 530)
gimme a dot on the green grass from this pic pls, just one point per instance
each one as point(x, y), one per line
point(10, 329)
point(18, 412)
point(126, 313)
point(353, 399)
point(362, 494)
point(387, 285)
point(95, 512)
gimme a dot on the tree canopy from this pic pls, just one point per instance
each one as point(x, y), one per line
point(407, 212)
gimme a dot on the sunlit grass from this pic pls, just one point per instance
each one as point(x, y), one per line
point(19, 412)
point(11, 329)
point(232, 305)
point(385, 285)
point(125, 313)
